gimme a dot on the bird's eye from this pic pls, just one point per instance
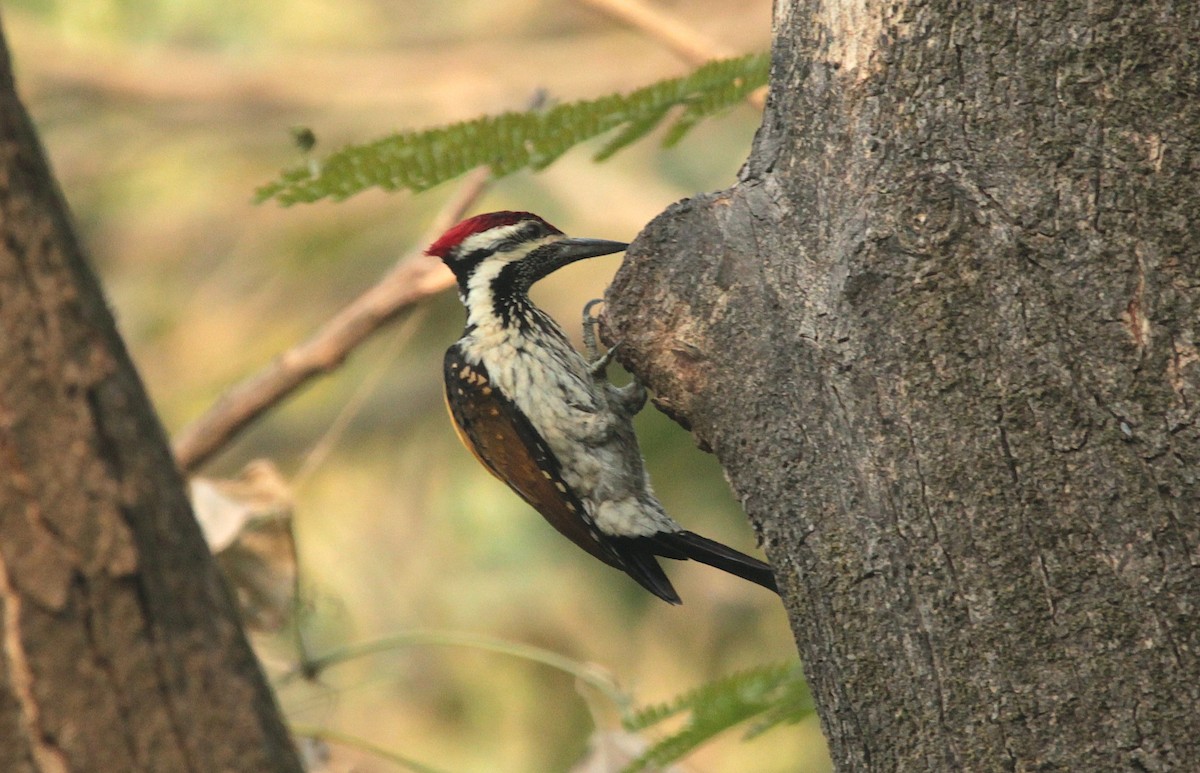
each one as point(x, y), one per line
point(527, 232)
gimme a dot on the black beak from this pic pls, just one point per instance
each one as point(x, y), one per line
point(553, 256)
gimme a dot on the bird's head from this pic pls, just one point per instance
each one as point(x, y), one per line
point(506, 252)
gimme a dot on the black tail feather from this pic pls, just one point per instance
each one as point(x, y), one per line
point(686, 544)
point(638, 561)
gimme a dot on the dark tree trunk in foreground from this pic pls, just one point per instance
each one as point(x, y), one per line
point(119, 647)
point(943, 338)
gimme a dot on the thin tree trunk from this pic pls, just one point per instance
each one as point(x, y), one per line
point(120, 649)
point(943, 338)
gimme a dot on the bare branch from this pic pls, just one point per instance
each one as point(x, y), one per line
point(688, 43)
point(414, 278)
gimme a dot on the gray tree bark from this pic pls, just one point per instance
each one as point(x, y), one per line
point(942, 335)
point(120, 649)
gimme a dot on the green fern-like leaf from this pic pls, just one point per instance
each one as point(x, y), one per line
point(773, 695)
point(418, 160)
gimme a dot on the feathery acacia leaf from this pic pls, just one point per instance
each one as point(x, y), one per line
point(772, 695)
point(418, 160)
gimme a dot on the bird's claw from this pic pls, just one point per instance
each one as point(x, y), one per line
point(597, 362)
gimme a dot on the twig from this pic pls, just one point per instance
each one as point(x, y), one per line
point(689, 43)
point(671, 31)
point(321, 449)
point(414, 278)
point(329, 735)
point(585, 673)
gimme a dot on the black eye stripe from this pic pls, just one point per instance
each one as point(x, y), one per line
point(463, 266)
point(529, 231)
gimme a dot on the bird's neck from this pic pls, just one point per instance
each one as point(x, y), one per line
point(497, 296)
point(500, 312)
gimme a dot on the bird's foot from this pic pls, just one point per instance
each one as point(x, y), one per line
point(631, 397)
point(596, 361)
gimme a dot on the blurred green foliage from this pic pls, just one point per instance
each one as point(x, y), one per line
point(161, 117)
point(533, 139)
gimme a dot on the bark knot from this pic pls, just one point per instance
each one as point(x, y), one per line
point(934, 213)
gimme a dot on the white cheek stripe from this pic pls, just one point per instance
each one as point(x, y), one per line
point(479, 291)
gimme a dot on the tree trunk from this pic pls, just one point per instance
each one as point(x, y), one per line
point(120, 649)
point(942, 335)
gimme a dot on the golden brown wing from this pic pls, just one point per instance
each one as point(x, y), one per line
point(500, 436)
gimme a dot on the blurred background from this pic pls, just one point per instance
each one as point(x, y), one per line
point(161, 116)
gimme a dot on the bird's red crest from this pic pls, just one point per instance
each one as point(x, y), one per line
point(478, 224)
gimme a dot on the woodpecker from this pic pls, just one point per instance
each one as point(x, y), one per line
point(545, 420)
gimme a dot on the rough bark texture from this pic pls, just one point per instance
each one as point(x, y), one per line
point(119, 647)
point(942, 335)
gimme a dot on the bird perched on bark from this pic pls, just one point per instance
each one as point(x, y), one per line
point(548, 422)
